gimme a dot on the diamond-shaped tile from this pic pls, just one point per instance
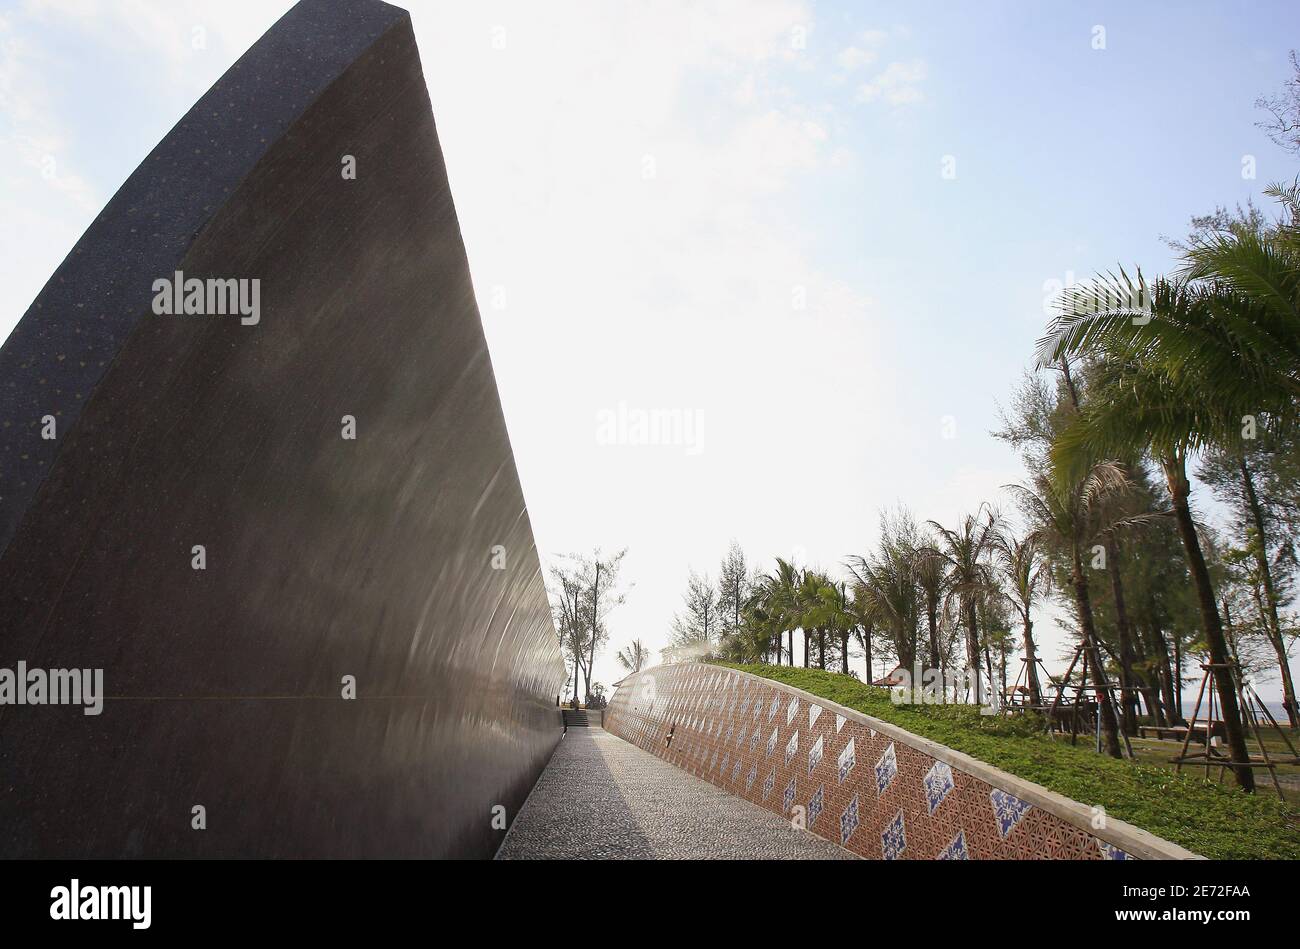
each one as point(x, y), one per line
point(893, 839)
point(849, 821)
point(956, 849)
point(848, 760)
point(938, 782)
point(1008, 809)
point(886, 769)
point(792, 746)
point(815, 754)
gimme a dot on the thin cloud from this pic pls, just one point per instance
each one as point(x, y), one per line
point(898, 84)
point(864, 52)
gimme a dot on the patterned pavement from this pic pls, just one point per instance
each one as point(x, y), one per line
point(601, 798)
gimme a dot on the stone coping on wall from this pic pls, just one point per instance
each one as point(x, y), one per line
point(1132, 841)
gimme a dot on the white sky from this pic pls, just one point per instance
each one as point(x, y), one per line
point(649, 191)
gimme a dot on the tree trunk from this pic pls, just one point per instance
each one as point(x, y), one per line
point(1109, 726)
point(595, 625)
point(867, 631)
point(1270, 593)
point(1179, 489)
point(844, 652)
point(1127, 695)
point(932, 614)
point(1173, 714)
point(821, 647)
point(1178, 681)
point(807, 652)
point(791, 632)
point(1031, 663)
point(973, 648)
point(1144, 672)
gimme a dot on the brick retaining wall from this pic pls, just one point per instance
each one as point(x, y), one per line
point(870, 786)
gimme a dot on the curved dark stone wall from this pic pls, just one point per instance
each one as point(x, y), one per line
point(402, 557)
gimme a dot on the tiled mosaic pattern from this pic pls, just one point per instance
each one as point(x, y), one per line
point(874, 794)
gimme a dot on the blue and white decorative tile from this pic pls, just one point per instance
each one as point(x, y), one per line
point(938, 782)
point(713, 761)
point(790, 710)
point(815, 754)
point(956, 849)
point(753, 741)
point(776, 704)
point(789, 796)
point(769, 783)
point(1111, 852)
point(816, 804)
point(839, 723)
point(814, 713)
point(735, 770)
point(893, 839)
point(886, 769)
point(744, 733)
point(849, 821)
point(848, 760)
point(1008, 809)
point(726, 762)
point(792, 746)
point(771, 743)
point(749, 778)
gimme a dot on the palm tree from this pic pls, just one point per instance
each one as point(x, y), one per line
point(1060, 509)
point(843, 621)
point(634, 657)
point(1155, 397)
point(815, 598)
point(861, 614)
point(1140, 406)
point(1262, 265)
point(887, 591)
point(931, 572)
point(1027, 573)
point(964, 551)
point(751, 641)
point(1242, 353)
point(776, 595)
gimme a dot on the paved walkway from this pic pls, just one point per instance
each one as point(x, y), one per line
point(603, 798)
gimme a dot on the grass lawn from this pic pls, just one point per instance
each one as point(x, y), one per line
point(1212, 820)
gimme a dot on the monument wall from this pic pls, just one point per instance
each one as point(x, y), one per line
point(271, 500)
